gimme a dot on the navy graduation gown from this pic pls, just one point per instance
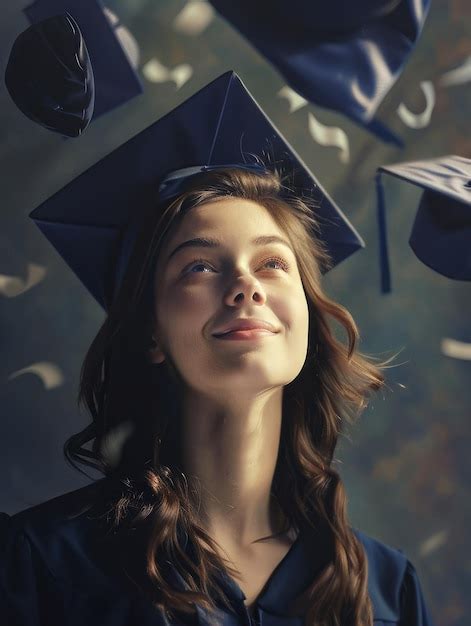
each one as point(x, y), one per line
point(57, 570)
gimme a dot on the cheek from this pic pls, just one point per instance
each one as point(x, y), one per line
point(184, 311)
point(302, 312)
point(291, 308)
point(189, 301)
point(297, 316)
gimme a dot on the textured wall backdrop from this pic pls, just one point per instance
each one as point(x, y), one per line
point(406, 463)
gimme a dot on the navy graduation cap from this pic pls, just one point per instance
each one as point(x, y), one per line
point(82, 27)
point(441, 234)
point(49, 76)
point(340, 54)
point(93, 221)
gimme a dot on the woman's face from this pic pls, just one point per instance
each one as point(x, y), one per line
point(196, 298)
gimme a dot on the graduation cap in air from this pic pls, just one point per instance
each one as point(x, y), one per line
point(340, 54)
point(441, 234)
point(70, 65)
point(93, 221)
point(50, 78)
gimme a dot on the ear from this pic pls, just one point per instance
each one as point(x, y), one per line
point(155, 354)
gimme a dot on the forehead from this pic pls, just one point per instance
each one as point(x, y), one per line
point(227, 218)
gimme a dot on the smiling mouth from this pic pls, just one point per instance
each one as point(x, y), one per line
point(253, 333)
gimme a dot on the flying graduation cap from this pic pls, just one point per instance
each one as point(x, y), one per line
point(60, 29)
point(441, 234)
point(93, 221)
point(340, 54)
point(50, 78)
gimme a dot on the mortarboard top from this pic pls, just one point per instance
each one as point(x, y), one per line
point(441, 234)
point(341, 55)
point(92, 222)
point(116, 81)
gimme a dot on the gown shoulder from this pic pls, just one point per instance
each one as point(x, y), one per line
point(393, 585)
point(59, 553)
point(48, 548)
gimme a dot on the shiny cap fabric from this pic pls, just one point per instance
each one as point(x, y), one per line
point(441, 234)
point(115, 79)
point(93, 221)
point(50, 78)
point(341, 55)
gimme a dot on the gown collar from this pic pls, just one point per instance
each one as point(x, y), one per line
point(307, 556)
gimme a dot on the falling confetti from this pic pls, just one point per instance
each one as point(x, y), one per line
point(458, 76)
point(50, 374)
point(383, 78)
point(155, 72)
point(194, 18)
point(330, 136)
point(433, 543)
point(112, 445)
point(127, 41)
point(419, 120)
point(12, 286)
point(295, 101)
point(456, 349)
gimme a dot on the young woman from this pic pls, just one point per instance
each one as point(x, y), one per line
point(218, 390)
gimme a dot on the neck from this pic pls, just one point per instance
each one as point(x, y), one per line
point(230, 453)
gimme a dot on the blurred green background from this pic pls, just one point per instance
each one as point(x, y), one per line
point(406, 462)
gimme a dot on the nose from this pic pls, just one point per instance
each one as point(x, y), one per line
point(245, 289)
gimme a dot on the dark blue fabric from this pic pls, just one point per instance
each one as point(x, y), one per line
point(441, 233)
point(60, 567)
point(116, 81)
point(219, 124)
point(341, 55)
point(50, 78)
point(385, 270)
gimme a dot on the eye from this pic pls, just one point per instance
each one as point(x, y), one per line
point(202, 262)
point(278, 260)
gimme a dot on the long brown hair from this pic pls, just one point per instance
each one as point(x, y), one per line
point(130, 399)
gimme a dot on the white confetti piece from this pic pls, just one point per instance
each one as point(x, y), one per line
point(295, 101)
point(383, 78)
point(458, 76)
point(155, 72)
point(194, 18)
point(50, 374)
point(456, 349)
point(12, 286)
point(330, 136)
point(125, 38)
point(433, 543)
point(112, 445)
point(181, 74)
point(419, 120)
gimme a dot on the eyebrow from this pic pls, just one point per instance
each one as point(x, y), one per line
point(211, 242)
